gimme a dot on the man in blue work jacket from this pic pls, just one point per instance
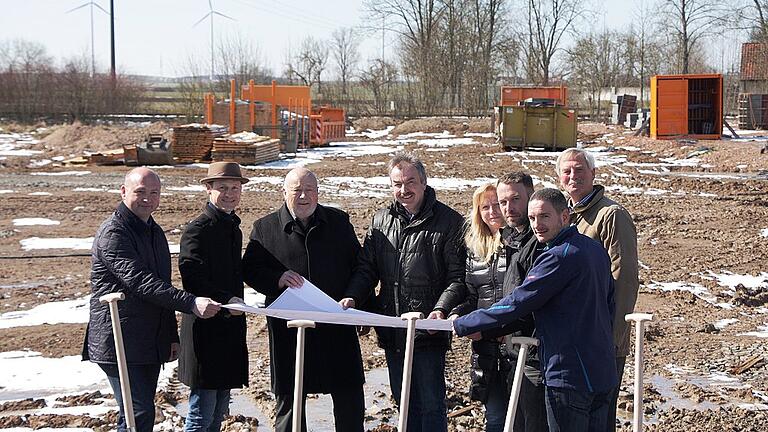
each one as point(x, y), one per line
point(570, 292)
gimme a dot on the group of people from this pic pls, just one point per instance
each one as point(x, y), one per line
point(559, 268)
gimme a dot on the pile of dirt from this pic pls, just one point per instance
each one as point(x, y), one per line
point(374, 123)
point(437, 125)
point(77, 138)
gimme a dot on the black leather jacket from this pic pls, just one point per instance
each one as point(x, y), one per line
point(419, 263)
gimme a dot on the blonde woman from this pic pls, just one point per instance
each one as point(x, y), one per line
point(486, 267)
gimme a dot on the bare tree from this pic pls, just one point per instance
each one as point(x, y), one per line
point(239, 59)
point(754, 18)
point(595, 64)
point(416, 22)
point(692, 21)
point(493, 48)
point(345, 54)
point(309, 63)
point(378, 78)
point(548, 22)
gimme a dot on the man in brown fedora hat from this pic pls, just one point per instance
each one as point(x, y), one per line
point(214, 356)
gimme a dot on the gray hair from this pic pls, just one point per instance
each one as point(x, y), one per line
point(572, 153)
point(552, 196)
point(411, 159)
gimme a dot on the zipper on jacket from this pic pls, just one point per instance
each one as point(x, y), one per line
point(306, 249)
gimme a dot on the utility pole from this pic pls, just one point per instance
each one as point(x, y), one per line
point(112, 72)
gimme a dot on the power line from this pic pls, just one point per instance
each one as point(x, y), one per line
point(294, 15)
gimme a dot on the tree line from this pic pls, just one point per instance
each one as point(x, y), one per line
point(448, 56)
point(33, 87)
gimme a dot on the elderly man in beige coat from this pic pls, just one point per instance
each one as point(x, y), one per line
point(606, 221)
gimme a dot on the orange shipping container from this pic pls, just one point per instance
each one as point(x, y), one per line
point(511, 96)
point(687, 105)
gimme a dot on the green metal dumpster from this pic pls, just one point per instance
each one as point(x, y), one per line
point(548, 127)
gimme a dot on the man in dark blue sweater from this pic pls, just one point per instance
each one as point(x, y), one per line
point(570, 292)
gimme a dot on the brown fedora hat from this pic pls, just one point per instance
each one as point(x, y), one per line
point(224, 171)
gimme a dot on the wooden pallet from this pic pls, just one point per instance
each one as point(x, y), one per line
point(194, 142)
point(245, 149)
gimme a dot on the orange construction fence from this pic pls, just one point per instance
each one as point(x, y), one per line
point(326, 124)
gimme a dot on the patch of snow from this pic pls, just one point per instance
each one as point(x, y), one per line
point(34, 221)
point(369, 133)
point(7, 191)
point(38, 163)
point(37, 243)
point(730, 279)
point(694, 288)
point(723, 323)
point(88, 189)
point(188, 188)
point(40, 194)
point(62, 173)
point(60, 312)
point(762, 332)
point(27, 374)
point(443, 142)
point(480, 134)
point(763, 232)
point(443, 134)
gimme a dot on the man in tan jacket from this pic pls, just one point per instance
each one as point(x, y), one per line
point(604, 220)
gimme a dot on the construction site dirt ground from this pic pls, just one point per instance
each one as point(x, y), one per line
point(700, 207)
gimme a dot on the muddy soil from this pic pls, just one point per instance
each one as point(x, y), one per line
point(694, 220)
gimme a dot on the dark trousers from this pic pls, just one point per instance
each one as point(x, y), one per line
point(575, 411)
point(143, 381)
point(427, 410)
point(348, 410)
point(531, 414)
point(613, 396)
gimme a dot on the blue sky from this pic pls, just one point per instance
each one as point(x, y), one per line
point(155, 37)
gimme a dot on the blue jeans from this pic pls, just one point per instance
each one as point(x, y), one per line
point(575, 411)
point(206, 410)
point(427, 411)
point(496, 404)
point(143, 381)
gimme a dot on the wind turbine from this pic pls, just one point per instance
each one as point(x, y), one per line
point(93, 55)
point(210, 15)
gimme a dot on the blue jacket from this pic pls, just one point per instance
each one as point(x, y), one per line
point(570, 291)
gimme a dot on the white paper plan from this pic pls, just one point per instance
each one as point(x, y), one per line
point(309, 303)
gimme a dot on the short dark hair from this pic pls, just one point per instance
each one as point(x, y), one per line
point(552, 196)
point(517, 177)
point(411, 159)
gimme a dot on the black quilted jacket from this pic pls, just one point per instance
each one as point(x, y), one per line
point(132, 257)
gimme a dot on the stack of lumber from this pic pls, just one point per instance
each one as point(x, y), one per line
point(245, 148)
point(106, 157)
point(193, 142)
